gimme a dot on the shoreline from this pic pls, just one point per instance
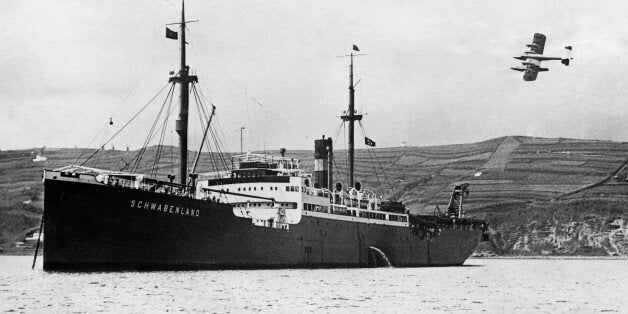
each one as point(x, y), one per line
point(31, 253)
point(554, 257)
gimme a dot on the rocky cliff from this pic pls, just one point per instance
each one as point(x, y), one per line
point(588, 226)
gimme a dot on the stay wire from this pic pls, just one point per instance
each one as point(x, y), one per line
point(151, 132)
point(140, 78)
point(138, 157)
point(256, 102)
point(378, 162)
point(127, 123)
point(84, 151)
point(202, 115)
point(373, 165)
point(217, 132)
point(335, 163)
point(219, 141)
point(157, 160)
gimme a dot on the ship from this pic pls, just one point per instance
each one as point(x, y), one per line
point(265, 211)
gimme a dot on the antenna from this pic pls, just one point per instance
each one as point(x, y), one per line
point(241, 129)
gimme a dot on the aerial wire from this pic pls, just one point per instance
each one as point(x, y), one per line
point(139, 80)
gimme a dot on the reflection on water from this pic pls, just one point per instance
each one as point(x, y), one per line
point(492, 285)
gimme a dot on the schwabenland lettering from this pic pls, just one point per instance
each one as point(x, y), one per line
point(165, 208)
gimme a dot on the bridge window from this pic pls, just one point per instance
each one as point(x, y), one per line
point(287, 188)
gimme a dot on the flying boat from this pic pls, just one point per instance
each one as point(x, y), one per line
point(532, 59)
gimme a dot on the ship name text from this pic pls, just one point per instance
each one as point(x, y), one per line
point(165, 208)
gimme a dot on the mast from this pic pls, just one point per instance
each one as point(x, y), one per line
point(184, 80)
point(351, 116)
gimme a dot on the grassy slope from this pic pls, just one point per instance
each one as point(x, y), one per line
point(520, 178)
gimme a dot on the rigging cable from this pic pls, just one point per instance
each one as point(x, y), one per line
point(140, 153)
point(157, 160)
point(219, 141)
point(336, 165)
point(140, 79)
point(202, 114)
point(151, 132)
point(126, 124)
point(254, 100)
point(378, 161)
point(374, 167)
point(90, 143)
point(217, 133)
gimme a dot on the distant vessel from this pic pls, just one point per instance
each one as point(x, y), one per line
point(265, 212)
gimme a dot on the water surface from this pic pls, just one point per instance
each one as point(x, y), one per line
point(481, 285)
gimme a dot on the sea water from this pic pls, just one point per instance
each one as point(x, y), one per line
point(492, 285)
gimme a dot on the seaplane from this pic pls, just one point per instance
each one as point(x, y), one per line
point(532, 59)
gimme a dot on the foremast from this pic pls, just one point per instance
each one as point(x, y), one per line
point(184, 80)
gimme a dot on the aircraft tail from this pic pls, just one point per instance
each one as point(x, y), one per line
point(566, 60)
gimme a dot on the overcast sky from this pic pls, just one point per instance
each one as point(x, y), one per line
point(435, 72)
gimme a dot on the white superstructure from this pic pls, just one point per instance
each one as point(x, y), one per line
point(274, 192)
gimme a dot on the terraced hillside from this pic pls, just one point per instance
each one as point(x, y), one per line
point(523, 185)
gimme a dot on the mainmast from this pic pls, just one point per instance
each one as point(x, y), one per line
point(351, 116)
point(184, 80)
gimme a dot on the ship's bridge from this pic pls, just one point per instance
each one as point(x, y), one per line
point(265, 161)
point(251, 165)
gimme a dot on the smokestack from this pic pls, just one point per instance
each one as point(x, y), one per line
point(322, 162)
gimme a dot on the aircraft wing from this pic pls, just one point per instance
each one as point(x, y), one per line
point(533, 57)
point(538, 43)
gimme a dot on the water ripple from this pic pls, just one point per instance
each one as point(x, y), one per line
point(531, 285)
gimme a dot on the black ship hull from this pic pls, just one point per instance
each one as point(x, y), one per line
point(99, 227)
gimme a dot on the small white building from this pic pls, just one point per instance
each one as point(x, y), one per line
point(39, 158)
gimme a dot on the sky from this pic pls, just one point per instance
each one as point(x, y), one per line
point(433, 73)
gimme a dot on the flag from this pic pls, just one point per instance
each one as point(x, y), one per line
point(369, 142)
point(171, 34)
point(355, 48)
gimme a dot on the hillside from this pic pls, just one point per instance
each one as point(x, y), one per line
point(542, 196)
